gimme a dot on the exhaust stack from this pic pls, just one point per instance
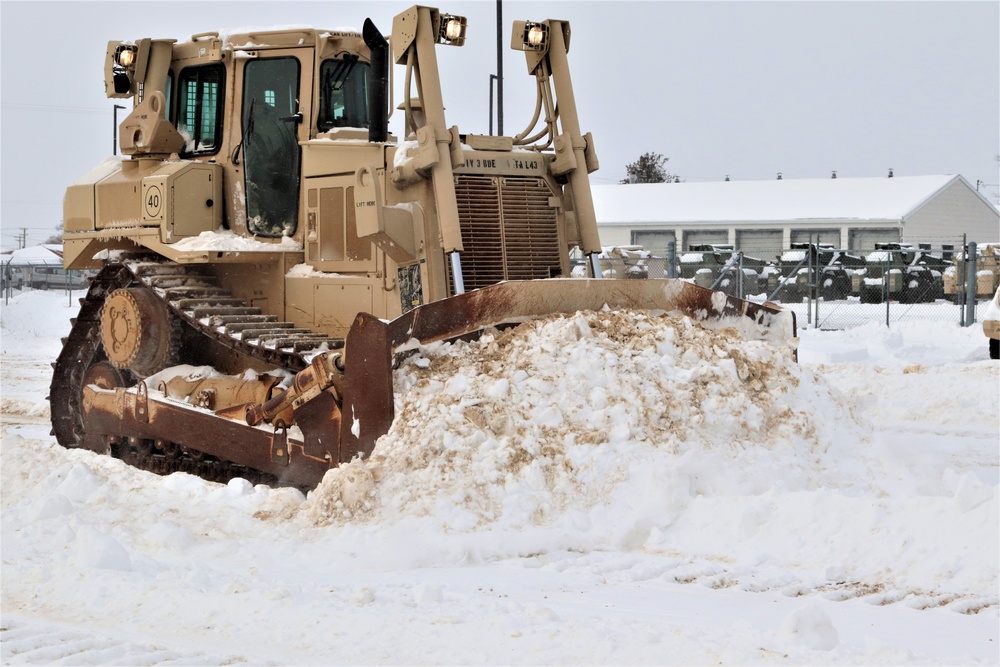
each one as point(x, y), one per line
point(378, 83)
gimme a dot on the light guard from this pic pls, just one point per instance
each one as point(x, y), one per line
point(451, 30)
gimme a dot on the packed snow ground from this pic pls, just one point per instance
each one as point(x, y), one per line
point(592, 489)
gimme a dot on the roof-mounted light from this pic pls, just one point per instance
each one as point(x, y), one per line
point(451, 30)
point(125, 55)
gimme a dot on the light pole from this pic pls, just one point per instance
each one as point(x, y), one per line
point(493, 77)
point(114, 131)
point(499, 74)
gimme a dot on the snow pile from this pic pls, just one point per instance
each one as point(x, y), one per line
point(529, 425)
point(809, 627)
point(36, 317)
point(31, 323)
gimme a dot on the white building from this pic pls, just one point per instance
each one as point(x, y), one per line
point(760, 217)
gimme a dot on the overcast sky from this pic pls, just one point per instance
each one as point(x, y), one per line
point(744, 89)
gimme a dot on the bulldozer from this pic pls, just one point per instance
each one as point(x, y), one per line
point(268, 251)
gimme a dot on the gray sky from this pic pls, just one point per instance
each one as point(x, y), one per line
point(744, 89)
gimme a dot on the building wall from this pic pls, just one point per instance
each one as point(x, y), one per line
point(656, 240)
point(956, 210)
point(612, 235)
point(761, 237)
point(953, 211)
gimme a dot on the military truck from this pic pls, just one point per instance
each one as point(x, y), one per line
point(901, 272)
point(817, 270)
point(719, 265)
point(987, 274)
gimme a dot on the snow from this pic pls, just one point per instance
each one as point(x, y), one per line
point(50, 254)
point(226, 240)
point(815, 199)
point(597, 488)
point(307, 271)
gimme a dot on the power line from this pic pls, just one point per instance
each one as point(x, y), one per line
point(50, 108)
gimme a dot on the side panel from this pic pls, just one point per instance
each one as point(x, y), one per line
point(329, 304)
point(80, 202)
point(196, 197)
point(331, 238)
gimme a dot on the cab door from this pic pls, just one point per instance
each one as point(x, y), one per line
point(273, 123)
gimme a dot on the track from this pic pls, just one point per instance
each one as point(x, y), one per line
point(207, 310)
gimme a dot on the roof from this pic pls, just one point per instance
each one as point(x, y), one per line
point(32, 255)
point(819, 199)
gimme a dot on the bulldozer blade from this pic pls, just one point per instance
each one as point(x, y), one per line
point(137, 414)
point(372, 343)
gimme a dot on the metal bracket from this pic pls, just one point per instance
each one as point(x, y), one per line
point(141, 410)
point(279, 444)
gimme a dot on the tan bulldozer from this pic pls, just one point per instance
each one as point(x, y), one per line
point(268, 250)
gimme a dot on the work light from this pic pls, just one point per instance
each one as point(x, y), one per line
point(452, 30)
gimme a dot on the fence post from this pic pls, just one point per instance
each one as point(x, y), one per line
point(740, 283)
point(970, 285)
point(818, 288)
point(809, 274)
point(885, 283)
point(960, 281)
point(672, 260)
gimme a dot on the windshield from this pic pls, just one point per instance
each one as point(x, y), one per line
point(343, 93)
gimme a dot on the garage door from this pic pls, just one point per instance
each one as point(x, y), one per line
point(865, 239)
point(705, 236)
point(831, 236)
point(762, 243)
point(656, 242)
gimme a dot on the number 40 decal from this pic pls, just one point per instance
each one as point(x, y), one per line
point(154, 199)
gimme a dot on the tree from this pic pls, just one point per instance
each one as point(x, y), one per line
point(649, 168)
point(57, 237)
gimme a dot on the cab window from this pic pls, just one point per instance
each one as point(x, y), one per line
point(343, 93)
point(199, 108)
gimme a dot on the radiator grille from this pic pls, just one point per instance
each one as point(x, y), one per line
point(509, 230)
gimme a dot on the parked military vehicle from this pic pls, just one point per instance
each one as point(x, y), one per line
point(991, 325)
point(719, 265)
point(900, 272)
point(815, 271)
point(987, 274)
point(628, 262)
point(264, 224)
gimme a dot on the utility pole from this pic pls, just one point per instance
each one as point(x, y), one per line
point(22, 239)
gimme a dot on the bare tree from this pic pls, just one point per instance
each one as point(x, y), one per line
point(57, 237)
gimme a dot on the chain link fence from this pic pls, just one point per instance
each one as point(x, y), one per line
point(831, 288)
point(14, 278)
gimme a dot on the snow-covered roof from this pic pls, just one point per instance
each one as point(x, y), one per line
point(820, 199)
point(33, 255)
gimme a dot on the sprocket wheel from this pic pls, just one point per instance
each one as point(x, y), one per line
point(137, 332)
